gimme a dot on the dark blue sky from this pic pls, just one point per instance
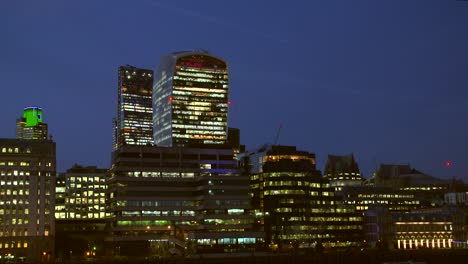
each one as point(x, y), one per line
point(387, 80)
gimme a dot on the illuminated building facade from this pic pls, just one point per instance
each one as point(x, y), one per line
point(27, 180)
point(440, 228)
point(80, 212)
point(364, 197)
point(30, 126)
point(190, 100)
point(427, 188)
point(294, 204)
point(83, 193)
point(178, 200)
point(134, 114)
point(343, 171)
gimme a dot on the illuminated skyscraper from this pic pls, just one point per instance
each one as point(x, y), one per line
point(30, 126)
point(190, 100)
point(134, 117)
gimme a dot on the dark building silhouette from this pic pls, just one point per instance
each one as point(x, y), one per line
point(342, 171)
point(133, 125)
point(27, 181)
point(294, 204)
point(190, 105)
point(31, 126)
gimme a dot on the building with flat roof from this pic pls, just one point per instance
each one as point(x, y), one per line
point(190, 100)
point(31, 125)
point(169, 200)
point(82, 192)
point(133, 125)
point(27, 182)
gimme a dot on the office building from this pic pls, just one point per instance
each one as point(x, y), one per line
point(27, 182)
point(133, 125)
point(427, 188)
point(294, 204)
point(169, 200)
point(343, 171)
point(31, 125)
point(364, 197)
point(80, 193)
point(190, 100)
point(435, 228)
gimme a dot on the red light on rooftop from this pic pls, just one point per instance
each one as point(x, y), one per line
point(170, 98)
point(229, 102)
point(448, 163)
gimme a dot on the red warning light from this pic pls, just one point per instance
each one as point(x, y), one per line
point(448, 163)
point(229, 102)
point(170, 98)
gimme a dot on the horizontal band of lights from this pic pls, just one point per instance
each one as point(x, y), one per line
point(424, 243)
point(423, 223)
point(275, 158)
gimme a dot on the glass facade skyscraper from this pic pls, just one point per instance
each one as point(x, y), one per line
point(134, 118)
point(190, 100)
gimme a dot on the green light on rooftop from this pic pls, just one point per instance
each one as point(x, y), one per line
point(33, 115)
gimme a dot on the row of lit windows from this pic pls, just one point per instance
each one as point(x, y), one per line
point(159, 213)
point(199, 80)
point(13, 192)
point(208, 70)
point(212, 114)
point(198, 96)
point(158, 203)
point(14, 244)
point(377, 195)
point(200, 89)
point(222, 127)
point(85, 201)
point(87, 179)
point(159, 174)
point(217, 221)
point(201, 74)
point(92, 194)
point(23, 163)
point(87, 186)
point(85, 215)
point(423, 188)
point(15, 201)
point(282, 192)
point(14, 211)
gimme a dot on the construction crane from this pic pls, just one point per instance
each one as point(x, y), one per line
point(277, 134)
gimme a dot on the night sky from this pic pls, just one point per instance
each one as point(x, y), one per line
point(387, 80)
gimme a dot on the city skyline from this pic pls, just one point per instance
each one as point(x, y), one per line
point(332, 106)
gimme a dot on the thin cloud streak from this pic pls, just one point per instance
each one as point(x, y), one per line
point(215, 20)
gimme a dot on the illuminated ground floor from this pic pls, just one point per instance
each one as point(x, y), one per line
point(27, 248)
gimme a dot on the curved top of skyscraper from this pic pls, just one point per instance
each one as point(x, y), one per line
point(190, 100)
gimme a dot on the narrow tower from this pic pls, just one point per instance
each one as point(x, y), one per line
point(133, 125)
